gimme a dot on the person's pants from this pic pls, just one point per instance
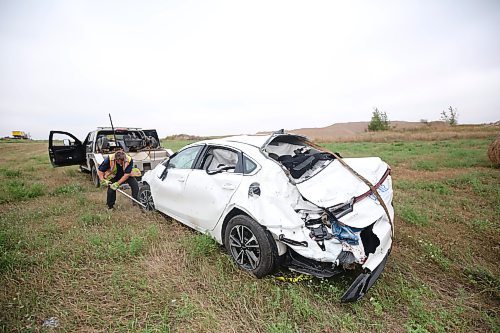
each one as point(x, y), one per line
point(111, 197)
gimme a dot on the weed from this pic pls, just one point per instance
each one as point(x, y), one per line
point(484, 185)
point(200, 245)
point(410, 215)
point(435, 253)
point(282, 326)
point(413, 327)
point(136, 246)
point(481, 224)
point(427, 165)
point(91, 219)
point(484, 280)
point(18, 190)
point(187, 308)
point(377, 306)
point(11, 254)
point(118, 245)
point(72, 172)
point(301, 307)
point(81, 199)
point(8, 173)
point(68, 189)
point(422, 318)
point(431, 186)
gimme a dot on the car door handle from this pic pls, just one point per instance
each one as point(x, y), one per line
point(228, 187)
point(181, 180)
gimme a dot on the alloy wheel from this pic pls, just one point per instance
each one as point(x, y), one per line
point(146, 199)
point(244, 246)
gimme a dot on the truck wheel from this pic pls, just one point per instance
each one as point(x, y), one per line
point(95, 177)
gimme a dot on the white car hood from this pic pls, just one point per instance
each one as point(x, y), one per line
point(335, 184)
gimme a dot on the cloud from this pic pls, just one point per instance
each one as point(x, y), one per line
point(239, 67)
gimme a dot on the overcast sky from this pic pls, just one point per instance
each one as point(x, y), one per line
point(229, 67)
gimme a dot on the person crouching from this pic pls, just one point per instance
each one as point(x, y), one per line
point(114, 171)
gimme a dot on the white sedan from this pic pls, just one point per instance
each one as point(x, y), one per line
point(281, 200)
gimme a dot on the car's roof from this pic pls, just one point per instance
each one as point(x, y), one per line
point(252, 140)
point(119, 128)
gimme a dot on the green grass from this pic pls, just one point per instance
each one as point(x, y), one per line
point(176, 145)
point(412, 215)
point(68, 189)
point(200, 245)
point(422, 185)
point(421, 155)
point(63, 254)
point(16, 190)
point(435, 253)
point(8, 173)
point(91, 219)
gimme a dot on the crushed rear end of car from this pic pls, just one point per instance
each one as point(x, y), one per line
point(346, 209)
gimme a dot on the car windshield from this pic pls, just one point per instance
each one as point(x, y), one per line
point(126, 140)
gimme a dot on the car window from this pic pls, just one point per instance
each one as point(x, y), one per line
point(63, 139)
point(248, 165)
point(184, 159)
point(221, 158)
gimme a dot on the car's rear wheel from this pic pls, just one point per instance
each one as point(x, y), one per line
point(251, 246)
point(95, 177)
point(146, 198)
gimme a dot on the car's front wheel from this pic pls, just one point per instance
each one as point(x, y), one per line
point(145, 198)
point(251, 246)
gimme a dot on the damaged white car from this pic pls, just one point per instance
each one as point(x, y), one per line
point(281, 200)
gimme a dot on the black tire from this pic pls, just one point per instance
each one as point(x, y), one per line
point(95, 177)
point(146, 198)
point(251, 246)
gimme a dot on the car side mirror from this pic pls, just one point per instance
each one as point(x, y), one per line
point(164, 173)
point(66, 142)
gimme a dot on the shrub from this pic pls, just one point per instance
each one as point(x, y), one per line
point(450, 116)
point(379, 121)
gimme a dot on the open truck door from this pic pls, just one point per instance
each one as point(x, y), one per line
point(65, 149)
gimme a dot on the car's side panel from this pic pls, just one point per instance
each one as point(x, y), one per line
point(169, 195)
point(209, 195)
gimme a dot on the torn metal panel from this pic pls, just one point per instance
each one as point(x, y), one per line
point(342, 185)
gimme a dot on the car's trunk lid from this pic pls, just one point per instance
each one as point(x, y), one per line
point(335, 184)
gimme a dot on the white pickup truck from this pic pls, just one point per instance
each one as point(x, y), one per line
point(142, 145)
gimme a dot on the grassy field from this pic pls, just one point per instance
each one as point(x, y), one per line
point(62, 254)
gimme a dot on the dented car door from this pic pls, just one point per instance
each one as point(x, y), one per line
point(211, 186)
point(173, 178)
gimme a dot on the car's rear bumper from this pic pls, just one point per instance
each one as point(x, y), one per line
point(363, 282)
point(376, 247)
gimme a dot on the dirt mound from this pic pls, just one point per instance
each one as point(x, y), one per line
point(351, 129)
point(345, 130)
point(494, 151)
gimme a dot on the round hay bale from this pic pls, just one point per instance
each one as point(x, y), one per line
point(494, 151)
